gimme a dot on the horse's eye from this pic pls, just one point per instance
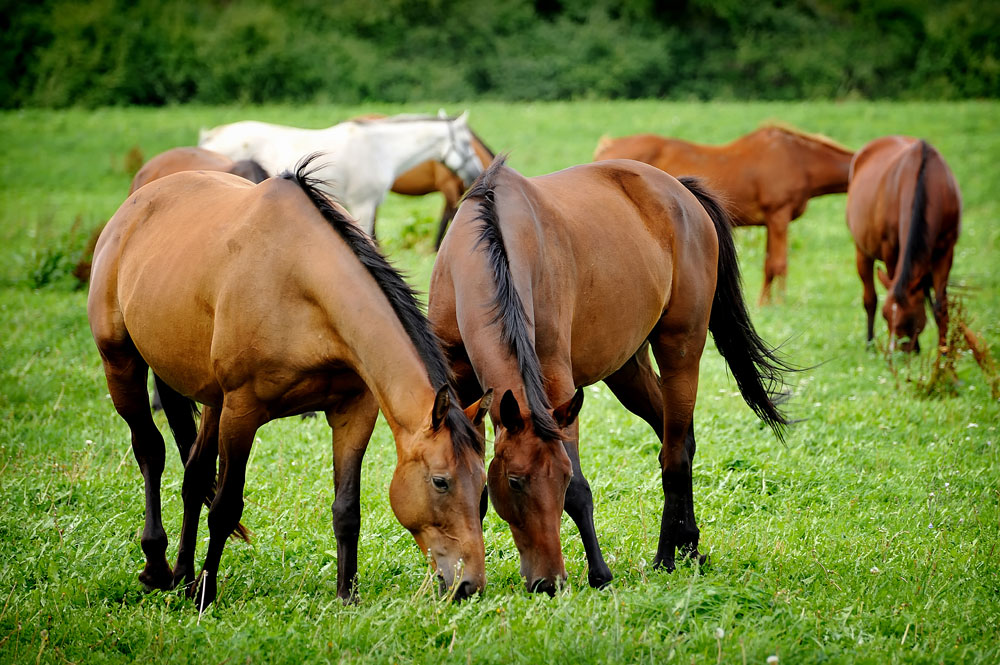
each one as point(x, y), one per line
point(516, 483)
point(440, 483)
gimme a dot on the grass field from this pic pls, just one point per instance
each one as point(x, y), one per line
point(870, 537)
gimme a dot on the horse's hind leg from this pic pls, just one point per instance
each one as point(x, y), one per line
point(126, 373)
point(199, 475)
point(352, 422)
point(678, 354)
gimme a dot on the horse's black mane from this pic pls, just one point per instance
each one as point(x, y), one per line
point(507, 305)
point(401, 297)
point(917, 241)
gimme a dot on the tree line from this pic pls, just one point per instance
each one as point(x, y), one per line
point(59, 53)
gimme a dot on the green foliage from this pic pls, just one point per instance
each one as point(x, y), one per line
point(61, 53)
point(870, 537)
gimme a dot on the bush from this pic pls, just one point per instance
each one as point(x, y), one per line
point(110, 52)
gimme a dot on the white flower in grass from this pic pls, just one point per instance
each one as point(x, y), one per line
point(772, 660)
point(719, 633)
point(875, 570)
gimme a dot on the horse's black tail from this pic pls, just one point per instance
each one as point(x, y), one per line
point(917, 242)
point(181, 412)
point(754, 364)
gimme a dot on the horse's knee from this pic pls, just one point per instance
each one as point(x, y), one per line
point(579, 497)
point(346, 519)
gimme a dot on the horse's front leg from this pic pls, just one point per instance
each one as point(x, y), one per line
point(238, 424)
point(940, 281)
point(866, 271)
point(352, 422)
point(199, 473)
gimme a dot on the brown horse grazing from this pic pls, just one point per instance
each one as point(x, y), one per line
point(430, 176)
point(536, 293)
point(904, 209)
point(266, 301)
point(766, 177)
point(189, 158)
point(174, 160)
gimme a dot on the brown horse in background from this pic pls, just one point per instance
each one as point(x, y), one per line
point(431, 176)
point(766, 177)
point(266, 301)
point(171, 161)
point(190, 158)
point(537, 293)
point(904, 209)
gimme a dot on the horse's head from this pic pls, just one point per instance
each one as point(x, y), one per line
point(436, 491)
point(527, 480)
point(904, 312)
point(459, 155)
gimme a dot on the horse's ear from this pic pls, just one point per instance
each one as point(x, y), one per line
point(464, 118)
point(884, 278)
point(442, 114)
point(477, 411)
point(566, 413)
point(441, 404)
point(510, 413)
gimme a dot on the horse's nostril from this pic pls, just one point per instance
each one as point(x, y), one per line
point(465, 590)
point(542, 585)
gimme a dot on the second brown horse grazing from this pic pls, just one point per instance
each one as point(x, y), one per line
point(266, 301)
point(904, 209)
point(767, 177)
point(544, 285)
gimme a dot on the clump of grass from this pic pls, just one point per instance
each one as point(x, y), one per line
point(939, 376)
point(51, 262)
point(133, 160)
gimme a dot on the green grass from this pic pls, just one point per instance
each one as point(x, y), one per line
point(870, 537)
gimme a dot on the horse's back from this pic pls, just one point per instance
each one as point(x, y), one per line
point(578, 240)
point(208, 262)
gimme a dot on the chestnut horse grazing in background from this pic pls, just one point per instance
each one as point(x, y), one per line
point(266, 301)
point(766, 177)
point(544, 285)
point(436, 177)
point(904, 209)
point(174, 160)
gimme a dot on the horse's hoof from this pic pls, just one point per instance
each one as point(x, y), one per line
point(666, 565)
point(599, 579)
point(183, 577)
point(157, 576)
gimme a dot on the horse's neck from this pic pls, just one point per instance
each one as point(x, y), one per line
point(405, 144)
point(826, 167)
point(392, 368)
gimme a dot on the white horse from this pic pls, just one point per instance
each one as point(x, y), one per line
point(362, 158)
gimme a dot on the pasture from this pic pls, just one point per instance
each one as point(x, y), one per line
point(870, 536)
